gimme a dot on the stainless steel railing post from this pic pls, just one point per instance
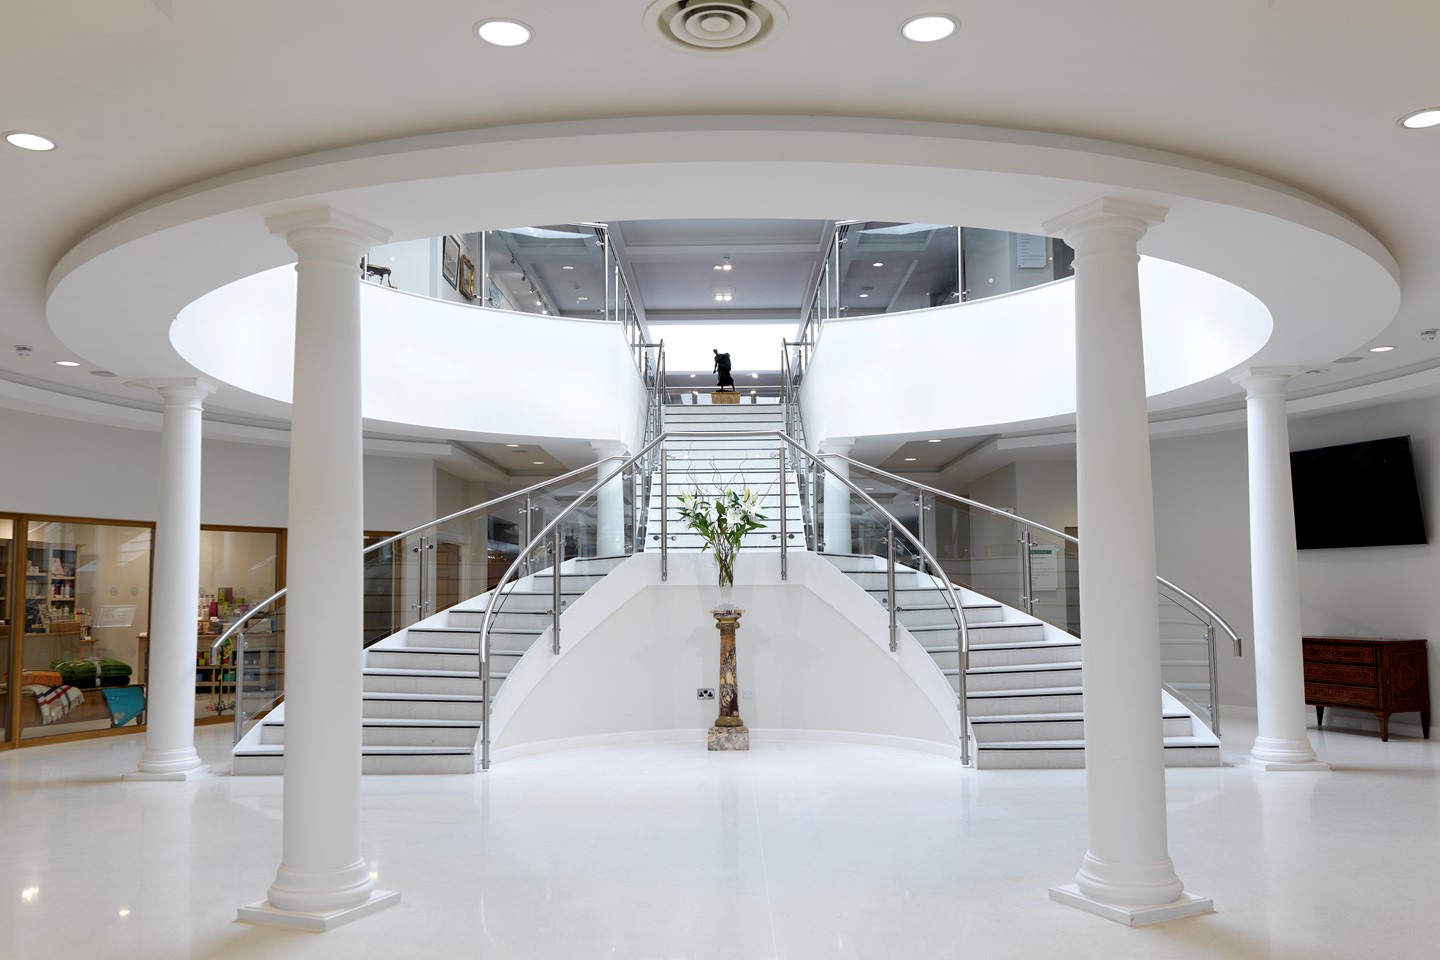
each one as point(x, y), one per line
point(1027, 581)
point(1214, 677)
point(555, 595)
point(784, 533)
point(890, 588)
point(664, 515)
point(239, 684)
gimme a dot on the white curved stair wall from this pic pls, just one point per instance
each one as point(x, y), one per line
point(814, 651)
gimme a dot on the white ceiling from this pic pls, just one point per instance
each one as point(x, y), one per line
point(146, 97)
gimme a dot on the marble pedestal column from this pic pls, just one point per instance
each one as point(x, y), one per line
point(729, 731)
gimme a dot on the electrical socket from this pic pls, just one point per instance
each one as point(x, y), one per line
point(705, 693)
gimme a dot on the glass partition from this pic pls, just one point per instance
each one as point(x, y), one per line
point(86, 611)
point(7, 557)
point(998, 262)
point(238, 569)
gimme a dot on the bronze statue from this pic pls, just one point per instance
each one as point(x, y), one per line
point(722, 370)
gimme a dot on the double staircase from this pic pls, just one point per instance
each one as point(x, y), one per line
point(424, 703)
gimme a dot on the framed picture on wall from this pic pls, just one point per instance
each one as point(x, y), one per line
point(467, 278)
point(450, 261)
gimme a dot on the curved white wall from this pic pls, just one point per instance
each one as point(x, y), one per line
point(1012, 358)
point(431, 363)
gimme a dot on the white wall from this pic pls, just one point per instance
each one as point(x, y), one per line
point(64, 467)
point(813, 653)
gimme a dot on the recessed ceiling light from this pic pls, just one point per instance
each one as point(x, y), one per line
point(878, 263)
point(933, 441)
point(928, 29)
point(513, 446)
point(567, 267)
point(1349, 360)
point(503, 33)
point(1381, 349)
point(538, 463)
point(864, 296)
point(1420, 119)
point(754, 376)
point(101, 373)
point(581, 299)
point(29, 141)
point(67, 363)
point(909, 459)
point(692, 376)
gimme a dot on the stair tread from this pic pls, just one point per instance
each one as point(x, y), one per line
point(1066, 716)
point(1025, 692)
point(417, 723)
point(423, 697)
point(1026, 667)
point(1024, 644)
point(369, 750)
point(1170, 743)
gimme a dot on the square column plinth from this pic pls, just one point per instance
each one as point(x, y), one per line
point(728, 738)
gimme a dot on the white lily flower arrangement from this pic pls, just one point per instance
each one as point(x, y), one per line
point(722, 522)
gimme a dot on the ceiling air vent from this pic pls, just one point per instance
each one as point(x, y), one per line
point(715, 25)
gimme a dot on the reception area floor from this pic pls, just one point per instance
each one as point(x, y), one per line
point(795, 850)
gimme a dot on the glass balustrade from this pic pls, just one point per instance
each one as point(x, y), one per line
point(1036, 569)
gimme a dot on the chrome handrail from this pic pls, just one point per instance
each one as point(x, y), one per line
point(551, 529)
point(1207, 616)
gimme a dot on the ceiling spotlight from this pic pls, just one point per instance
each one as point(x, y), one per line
point(581, 299)
point(29, 141)
point(1420, 119)
point(567, 267)
point(1381, 349)
point(538, 463)
point(909, 459)
point(864, 296)
point(878, 263)
point(932, 441)
point(928, 29)
point(692, 376)
point(67, 363)
point(503, 33)
point(754, 376)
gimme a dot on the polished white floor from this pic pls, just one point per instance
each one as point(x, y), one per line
point(799, 851)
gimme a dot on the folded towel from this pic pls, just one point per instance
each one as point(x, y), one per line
point(48, 678)
point(55, 702)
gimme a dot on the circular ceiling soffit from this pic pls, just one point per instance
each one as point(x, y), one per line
point(715, 25)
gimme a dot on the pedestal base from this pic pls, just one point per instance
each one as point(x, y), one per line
point(724, 396)
point(262, 912)
point(728, 738)
point(1133, 915)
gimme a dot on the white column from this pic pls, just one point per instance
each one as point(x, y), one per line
point(839, 531)
point(1281, 742)
point(322, 879)
point(610, 506)
point(170, 686)
point(1127, 874)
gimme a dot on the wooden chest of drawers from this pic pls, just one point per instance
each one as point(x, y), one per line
point(1376, 676)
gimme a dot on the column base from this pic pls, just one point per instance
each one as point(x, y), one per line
point(1287, 754)
point(1277, 766)
point(262, 912)
point(728, 738)
point(1133, 915)
point(194, 773)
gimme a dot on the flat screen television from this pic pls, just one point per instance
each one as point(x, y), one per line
point(1356, 495)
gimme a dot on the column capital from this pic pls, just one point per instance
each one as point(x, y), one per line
point(326, 224)
point(1264, 381)
point(836, 448)
point(1131, 215)
point(182, 390)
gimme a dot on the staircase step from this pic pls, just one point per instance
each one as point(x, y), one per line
point(989, 703)
point(1022, 677)
point(422, 706)
point(1067, 725)
point(270, 760)
point(396, 732)
point(422, 658)
point(1010, 654)
point(392, 680)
